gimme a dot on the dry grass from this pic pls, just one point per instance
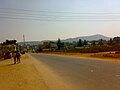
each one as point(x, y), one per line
point(107, 55)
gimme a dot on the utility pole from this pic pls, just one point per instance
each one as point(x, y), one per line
point(24, 39)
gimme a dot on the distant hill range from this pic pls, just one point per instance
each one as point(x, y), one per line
point(88, 38)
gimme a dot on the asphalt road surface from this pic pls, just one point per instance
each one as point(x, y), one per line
point(84, 74)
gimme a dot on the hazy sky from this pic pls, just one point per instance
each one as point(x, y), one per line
point(52, 19)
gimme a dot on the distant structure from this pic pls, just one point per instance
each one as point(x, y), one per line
point(24, 39)
point(25, 46)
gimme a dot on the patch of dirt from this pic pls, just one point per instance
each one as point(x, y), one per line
point(22, 76)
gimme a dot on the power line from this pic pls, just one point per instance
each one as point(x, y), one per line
point(59, 17)
point(16, 13)
point(47, 16)
point(56, 16)
point(46, 11)
point(60, 20)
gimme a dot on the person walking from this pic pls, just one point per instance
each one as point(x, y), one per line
point(14, 56)
point(18, 56)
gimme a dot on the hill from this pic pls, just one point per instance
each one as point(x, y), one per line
point(88, 38)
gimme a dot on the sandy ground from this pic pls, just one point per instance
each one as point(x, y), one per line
point(30, 74)
point(23, 76)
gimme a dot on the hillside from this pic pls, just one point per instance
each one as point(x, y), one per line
point(88, 38)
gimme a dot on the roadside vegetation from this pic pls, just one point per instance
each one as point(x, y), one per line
point(82, 46)
point(99, 48)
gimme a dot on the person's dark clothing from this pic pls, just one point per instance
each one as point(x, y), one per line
point(18, 57)
point(14, 56)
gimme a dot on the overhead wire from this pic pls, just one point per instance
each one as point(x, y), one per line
point(8, 13)
point(46, 11)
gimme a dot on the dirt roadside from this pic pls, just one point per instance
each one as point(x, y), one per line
point(23, 76)
point(30, 74)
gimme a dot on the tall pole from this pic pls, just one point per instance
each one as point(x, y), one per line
point(24, 39)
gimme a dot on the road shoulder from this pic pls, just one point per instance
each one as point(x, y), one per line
point(23, 76)
point(53, 81)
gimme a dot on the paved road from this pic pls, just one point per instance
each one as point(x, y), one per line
point(84, 74)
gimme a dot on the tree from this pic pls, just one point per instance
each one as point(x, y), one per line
point(116, 40)
point(59, 44)
point(110, 42)
point(85, 42)
point(93, 43)
point(100, 42)
point(80, 43)
point(40, 48)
